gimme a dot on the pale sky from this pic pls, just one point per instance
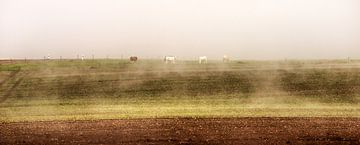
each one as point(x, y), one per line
point(243, 29)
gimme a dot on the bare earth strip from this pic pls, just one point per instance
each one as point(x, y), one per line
point(251, 130)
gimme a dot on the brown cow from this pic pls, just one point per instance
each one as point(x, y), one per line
point(133, 58)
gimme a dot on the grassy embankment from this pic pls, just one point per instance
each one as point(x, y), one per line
point(112, 89)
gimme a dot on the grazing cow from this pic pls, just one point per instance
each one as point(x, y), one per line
point(133, 58)
point(169, 59)
point(202, 59)
point(226, 58)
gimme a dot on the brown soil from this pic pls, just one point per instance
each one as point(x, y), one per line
point(186, 131)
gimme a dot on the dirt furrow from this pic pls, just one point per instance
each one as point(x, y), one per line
point(256, 130)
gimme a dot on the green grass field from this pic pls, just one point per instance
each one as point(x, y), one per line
point(113, 89)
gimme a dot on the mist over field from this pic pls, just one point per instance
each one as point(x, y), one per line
point(245, 29)
point(36, 90)
point(289, 54)
point(179, 72)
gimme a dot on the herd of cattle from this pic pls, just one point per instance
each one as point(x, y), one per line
point(172, 59)
point(167, 59)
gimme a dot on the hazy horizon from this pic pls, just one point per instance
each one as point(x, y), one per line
point(244, 29)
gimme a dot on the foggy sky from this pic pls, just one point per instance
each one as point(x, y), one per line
point(243, 29)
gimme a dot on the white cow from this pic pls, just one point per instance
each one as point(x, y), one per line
point(226, 58)
point(169, 59)
point(202, 59)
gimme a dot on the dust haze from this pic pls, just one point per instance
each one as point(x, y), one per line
point(245, 29)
